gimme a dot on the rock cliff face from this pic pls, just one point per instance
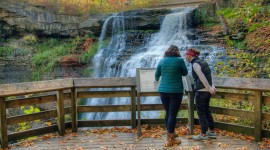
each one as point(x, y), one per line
point(36, 19)
point(28, 18)
point(12, 71)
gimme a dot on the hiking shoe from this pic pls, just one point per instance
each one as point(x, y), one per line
point(199, 137)
point(212, 135)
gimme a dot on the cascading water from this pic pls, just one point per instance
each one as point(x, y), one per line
point(108, 62)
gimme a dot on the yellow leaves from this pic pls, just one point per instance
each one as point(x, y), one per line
point(48, 136)
point(243, 148)
point(27, 143)
point(65, 140)
point(195, 148)
point(223, 145)
point(265, 143)
point(119, 142)
point(49, 123)
point(182, 130)
point(137, 139)
point(207, 142)
point(154, 132)
point(79, 148)
point(104, 147)
point(114, 135)
point(74, 134)
point(91, 141)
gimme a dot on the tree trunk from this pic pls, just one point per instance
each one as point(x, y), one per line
point(222, 19)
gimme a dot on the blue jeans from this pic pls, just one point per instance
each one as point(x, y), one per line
point(171, 103)
point(202, 105)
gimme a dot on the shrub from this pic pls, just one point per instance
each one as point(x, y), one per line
point(86, 56)
point(30, 39)
point(46, 57)
point(6, 51)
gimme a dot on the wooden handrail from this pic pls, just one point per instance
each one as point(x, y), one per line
point(104, 82)
point(253, 84)
point(35, 87)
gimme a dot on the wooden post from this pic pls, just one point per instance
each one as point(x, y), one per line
point(60, 112)
point(139, 114)
point(258, 116)
point(188, 86)
point(3, 124)
point(191, 112)
point(133, 107)
point(74, 113)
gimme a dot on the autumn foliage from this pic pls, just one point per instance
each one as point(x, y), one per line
point(86, 7)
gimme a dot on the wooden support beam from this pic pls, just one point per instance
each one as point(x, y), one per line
point(161, 121)
point(31, 101)
point(139, 114)
point(103, 123)
point(3, 124)
point(258, 116)
point(35, 116)
point(234, 96)
point(74, 112)
point(104, 108)
point(104, 82)
point(34, 132)
point(133, 107)
point(266, 117)
point(60, 112)
point(234, 128)
point(233, 112)
point(266, 100)
point(191, 112)
point(103, 94)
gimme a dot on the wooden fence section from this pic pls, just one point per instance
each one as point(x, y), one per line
point(72, 90)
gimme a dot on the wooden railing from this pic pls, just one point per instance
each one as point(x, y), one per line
point(72, 90)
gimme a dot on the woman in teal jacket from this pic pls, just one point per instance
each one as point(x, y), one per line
point(171, 69)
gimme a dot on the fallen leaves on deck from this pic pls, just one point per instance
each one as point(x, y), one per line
point(109, 134)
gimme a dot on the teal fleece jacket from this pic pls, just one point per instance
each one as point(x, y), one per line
point(171, 70)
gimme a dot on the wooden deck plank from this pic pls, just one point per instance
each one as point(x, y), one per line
point(116, 140)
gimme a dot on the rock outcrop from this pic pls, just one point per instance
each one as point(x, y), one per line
point(27, 18)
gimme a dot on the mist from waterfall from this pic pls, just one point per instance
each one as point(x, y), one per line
point(175, 29)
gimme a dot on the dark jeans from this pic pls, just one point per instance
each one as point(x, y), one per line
point(202, 104)
point(171, 103)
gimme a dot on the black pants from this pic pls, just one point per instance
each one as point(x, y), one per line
point(171, 103)
point(202, 104)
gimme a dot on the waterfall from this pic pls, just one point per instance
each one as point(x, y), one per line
point(108, 62)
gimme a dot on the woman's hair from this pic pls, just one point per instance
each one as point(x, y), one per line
point(172, 51)
point(193, 52)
